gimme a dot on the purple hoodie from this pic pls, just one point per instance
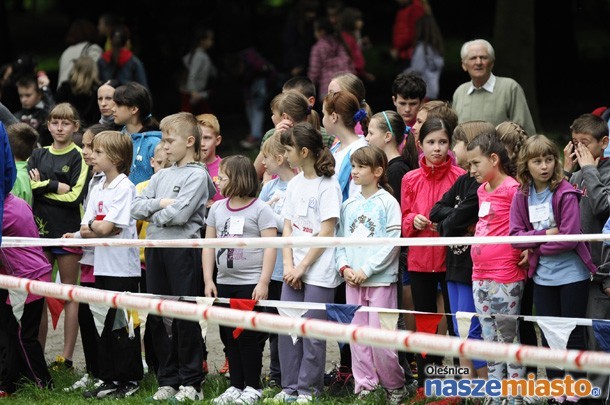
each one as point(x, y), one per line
point(567, 216)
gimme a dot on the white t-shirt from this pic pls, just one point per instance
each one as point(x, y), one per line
point(113, 204)
point(308, 203)
point(341, 155)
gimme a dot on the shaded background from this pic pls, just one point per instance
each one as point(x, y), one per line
point(558, 51)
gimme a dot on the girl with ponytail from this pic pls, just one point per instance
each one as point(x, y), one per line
point(133, 110)
point(311, 209)
point(341, 113)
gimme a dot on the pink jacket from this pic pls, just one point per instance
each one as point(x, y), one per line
point(421, 189)
point(328, 57)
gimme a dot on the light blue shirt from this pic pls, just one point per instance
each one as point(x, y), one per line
point(276, 190)
point(563, 268)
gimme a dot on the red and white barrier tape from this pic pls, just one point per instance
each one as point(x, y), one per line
point(251, 243)
point(402, 340)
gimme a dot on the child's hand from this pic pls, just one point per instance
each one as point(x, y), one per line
point(260, 292)
point(166, 202)
point(210, 290)
point(569, 157)
point(359, 277)
point(63, 188)
point(209, 203)
point(552, 231)
point(42, 79)
point(421, 222)
point(348, 275)
point(584, 156)
point(67, 235)
point(292, 277)
point(523, 263)
point(34, 174)
point(283, 125)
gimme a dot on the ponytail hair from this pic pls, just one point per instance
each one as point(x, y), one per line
point(348, 108)
point(304, 135)
point(513, 136)
point(297, 107)
point(373, 157)
point(390, 121)
point(489, 143)
point(133, 94)
point(350, 82)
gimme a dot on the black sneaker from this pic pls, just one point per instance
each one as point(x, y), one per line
point(124, 390)
point(102, 391)
point(343, 384)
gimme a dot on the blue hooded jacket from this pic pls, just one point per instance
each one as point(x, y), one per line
point(143, 149)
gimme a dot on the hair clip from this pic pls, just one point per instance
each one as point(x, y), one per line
point(360, 115)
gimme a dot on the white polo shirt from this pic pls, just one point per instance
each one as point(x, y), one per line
point(113, 204)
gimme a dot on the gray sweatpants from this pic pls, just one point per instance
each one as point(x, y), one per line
point(302, 364)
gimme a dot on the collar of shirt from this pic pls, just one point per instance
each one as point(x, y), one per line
point(488, 86)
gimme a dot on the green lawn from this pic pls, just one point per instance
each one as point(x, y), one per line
point(214, 386)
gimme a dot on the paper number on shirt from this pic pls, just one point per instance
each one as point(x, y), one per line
point(539, 212)
point(301, 209)
point(236, 226)
point(360, 232)
point(484, 209)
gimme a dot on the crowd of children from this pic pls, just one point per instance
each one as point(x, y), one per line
point(413, 172)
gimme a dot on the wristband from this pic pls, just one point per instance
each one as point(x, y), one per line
point(90, 223)
point(567, 174)
point(342, 269)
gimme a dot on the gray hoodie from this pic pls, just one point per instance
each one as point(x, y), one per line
point(191, 187)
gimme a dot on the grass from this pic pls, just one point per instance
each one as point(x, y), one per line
point(213, 386)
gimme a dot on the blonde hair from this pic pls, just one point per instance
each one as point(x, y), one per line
point(209, 121)
point(275, 102)
point(84, 76)
point(64, 111)
point(353, 84)
point(513, 136)
point(441, 109)
point(273, 146)
point(537, 146)
point(159, 149)
point(118, 147)
point(467, 131)
point(184, 124)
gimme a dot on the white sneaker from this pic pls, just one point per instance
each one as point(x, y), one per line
point(281, 398)
point(249, 396)
point(80, 384)
point(164, 393)
point(304, 399)
point(187, 393)
point(230, 396)
point(363, 394)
